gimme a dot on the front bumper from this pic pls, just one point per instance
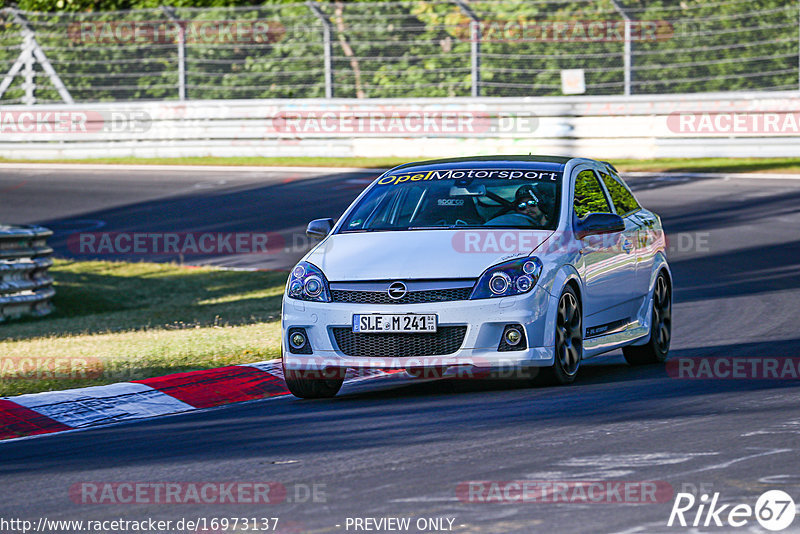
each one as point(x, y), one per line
point(484, 320)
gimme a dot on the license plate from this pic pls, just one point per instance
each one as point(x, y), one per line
point(394, 322)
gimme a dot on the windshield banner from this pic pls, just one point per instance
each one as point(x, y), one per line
point(468, 174)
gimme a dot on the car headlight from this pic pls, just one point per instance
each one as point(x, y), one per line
point(308, 283)
point(509, 278)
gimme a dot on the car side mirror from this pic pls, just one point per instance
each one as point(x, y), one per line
point(319, 228)
point(599, 223)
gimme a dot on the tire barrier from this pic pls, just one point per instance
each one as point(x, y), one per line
point(26, 287)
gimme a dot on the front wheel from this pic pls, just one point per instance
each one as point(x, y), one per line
point(657, 347)
point(311, 385)
point(569, 340)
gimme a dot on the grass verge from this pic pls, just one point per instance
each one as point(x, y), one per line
point(775, 165)
point(676, 164)
point(117, 321)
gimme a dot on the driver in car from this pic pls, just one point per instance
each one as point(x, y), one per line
point(532, 208)
point(530, 204)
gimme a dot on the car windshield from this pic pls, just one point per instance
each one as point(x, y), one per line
point(459, 198)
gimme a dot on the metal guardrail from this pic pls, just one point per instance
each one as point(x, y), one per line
point(26, 288)
point(605, 127)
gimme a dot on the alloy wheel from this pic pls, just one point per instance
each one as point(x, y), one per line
point(569, 334)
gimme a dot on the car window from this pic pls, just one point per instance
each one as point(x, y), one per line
point(459, 198)
point(407, 202)
point(623, 200)
point(589, 196)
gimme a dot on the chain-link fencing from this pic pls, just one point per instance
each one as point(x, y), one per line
point(428, 48)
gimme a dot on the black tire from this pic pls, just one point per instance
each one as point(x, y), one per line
point(569, 341)
point(657, 347)
point(304, 386)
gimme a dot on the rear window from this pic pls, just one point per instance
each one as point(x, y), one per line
point(589, 197)
point(623, 200)
point(459, 198)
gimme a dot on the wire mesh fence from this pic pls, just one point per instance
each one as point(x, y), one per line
point(427, 48)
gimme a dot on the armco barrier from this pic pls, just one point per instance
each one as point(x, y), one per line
point(26, 287)
point(688, 125)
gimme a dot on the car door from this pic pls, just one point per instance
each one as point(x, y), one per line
point(603, 266)
point(638, 236)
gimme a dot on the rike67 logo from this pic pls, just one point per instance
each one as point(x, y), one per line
point(774, 510)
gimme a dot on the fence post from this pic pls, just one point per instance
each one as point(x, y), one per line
point(27, 71)
point(170, 11)
point(628, 52)
point(475, 46)
point(326, 42)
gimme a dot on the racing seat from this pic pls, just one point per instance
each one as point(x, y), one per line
point(442, 207)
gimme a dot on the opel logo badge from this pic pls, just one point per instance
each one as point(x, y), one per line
point(397, 290)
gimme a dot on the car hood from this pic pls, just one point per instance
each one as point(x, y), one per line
point(420, 254)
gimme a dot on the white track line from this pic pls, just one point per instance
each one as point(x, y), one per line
point(102, 404)
point(128, 402)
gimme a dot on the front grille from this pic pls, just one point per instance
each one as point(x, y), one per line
point(412, 297)
point(446, 340)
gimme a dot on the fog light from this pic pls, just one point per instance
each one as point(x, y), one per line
point(297, 340)
point(513, 336)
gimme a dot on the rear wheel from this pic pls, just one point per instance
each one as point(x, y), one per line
point(657, 347)
point(569, 340)
point(311, 385)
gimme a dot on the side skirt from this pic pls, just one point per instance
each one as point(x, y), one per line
point(623, 334)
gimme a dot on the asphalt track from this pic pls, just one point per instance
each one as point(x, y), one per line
point(400, 448)
point(156, 201)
